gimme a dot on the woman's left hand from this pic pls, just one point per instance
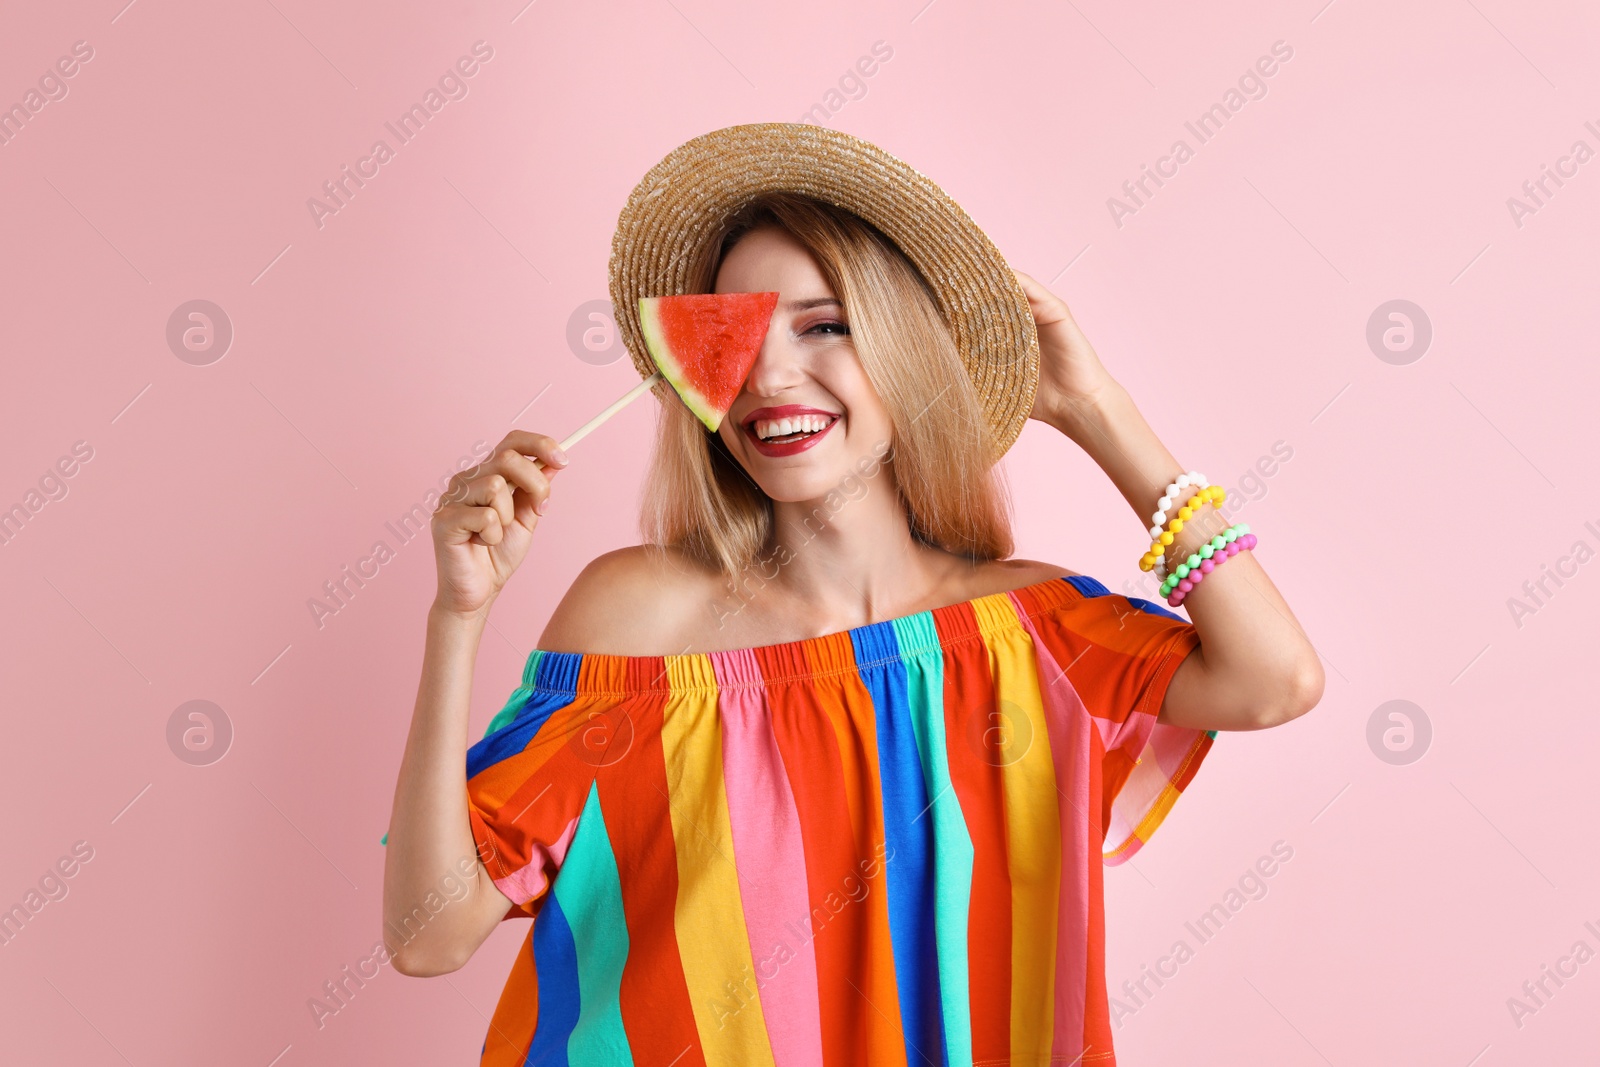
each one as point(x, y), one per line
point(1070, 374)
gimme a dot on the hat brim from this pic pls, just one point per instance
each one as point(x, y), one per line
point(684, 200)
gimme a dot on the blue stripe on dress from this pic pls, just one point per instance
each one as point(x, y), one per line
point(953, 852)
point(555, 962)
point(532, 712)
point(1092, 587)
point(908, 834)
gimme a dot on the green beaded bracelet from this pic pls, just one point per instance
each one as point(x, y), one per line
point(1206, 551)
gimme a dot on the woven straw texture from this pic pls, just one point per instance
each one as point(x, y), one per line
point(681, 203)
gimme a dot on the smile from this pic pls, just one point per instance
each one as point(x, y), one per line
point(788, 433)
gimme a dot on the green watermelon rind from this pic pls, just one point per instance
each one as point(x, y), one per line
point(672, 369)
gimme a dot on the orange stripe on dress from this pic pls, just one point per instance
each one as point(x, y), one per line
point(654, 995)
point(839, 929)
point(976, 776)
point(516, 1014)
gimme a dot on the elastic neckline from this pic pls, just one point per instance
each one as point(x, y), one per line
point(848, 651)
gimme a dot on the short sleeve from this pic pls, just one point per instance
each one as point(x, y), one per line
point(528, 779)
point(1120, 654)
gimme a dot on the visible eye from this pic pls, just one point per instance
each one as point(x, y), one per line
point(840, 328)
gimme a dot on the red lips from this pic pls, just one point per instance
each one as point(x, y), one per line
point(785, 411)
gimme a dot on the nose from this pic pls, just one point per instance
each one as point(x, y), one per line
point(777, 366)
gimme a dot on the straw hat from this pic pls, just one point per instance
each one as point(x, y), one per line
point(682, 203)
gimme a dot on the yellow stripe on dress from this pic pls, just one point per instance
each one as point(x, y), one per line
point(708, 916)
point(1033, 826)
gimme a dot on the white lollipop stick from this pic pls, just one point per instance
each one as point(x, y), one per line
point(617, 405)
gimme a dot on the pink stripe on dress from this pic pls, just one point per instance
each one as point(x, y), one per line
point(770, 862)
point(527, 882)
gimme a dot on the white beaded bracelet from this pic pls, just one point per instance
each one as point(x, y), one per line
point(1194, 478)
point(1159, 519)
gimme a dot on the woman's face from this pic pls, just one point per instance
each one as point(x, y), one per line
point(807, 363)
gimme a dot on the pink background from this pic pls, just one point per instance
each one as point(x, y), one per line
point(427, 314)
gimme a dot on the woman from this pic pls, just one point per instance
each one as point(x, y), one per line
point(817, 774)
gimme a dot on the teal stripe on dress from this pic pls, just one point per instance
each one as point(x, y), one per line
point(519, 696)
point(589, 891)
point(924, 665)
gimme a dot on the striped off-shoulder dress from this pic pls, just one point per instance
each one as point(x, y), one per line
point(878, 846)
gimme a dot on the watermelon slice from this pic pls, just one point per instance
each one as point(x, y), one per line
point(705, 345)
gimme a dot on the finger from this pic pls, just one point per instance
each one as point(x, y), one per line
point(493, 530)
point(474, 491)
point(530, 504)
point(524, 473)
point(493, 490)
point(473, 485)
point(537, 445)
point(462, 524)
point(1047, 307)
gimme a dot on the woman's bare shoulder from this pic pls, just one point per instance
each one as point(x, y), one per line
point(629, 602)
point(1004, 575)
point(642, 600)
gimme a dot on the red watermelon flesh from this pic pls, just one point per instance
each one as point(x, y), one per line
point(705, 345)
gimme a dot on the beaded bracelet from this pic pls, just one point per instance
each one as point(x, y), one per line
point(1211, 494)
point(1168, 497)
point(1198, 558)
point(1184, 481)
point(1161, 569)
point(1213, 554)
point(1243, 544)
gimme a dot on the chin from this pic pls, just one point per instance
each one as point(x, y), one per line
point(799, 486)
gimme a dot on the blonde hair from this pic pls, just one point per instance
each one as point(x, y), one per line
point(699, 499)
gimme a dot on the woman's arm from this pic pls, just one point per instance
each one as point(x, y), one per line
point(430, 839)
point(1255, 666)
point(481, 534)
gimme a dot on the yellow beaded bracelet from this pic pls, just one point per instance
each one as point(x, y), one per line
point(1211, 494)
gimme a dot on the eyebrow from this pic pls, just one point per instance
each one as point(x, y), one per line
point(806, 305)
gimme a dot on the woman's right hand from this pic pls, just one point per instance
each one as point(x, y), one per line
point(485, 521)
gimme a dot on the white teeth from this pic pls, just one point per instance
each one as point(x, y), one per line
point(766, 428)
